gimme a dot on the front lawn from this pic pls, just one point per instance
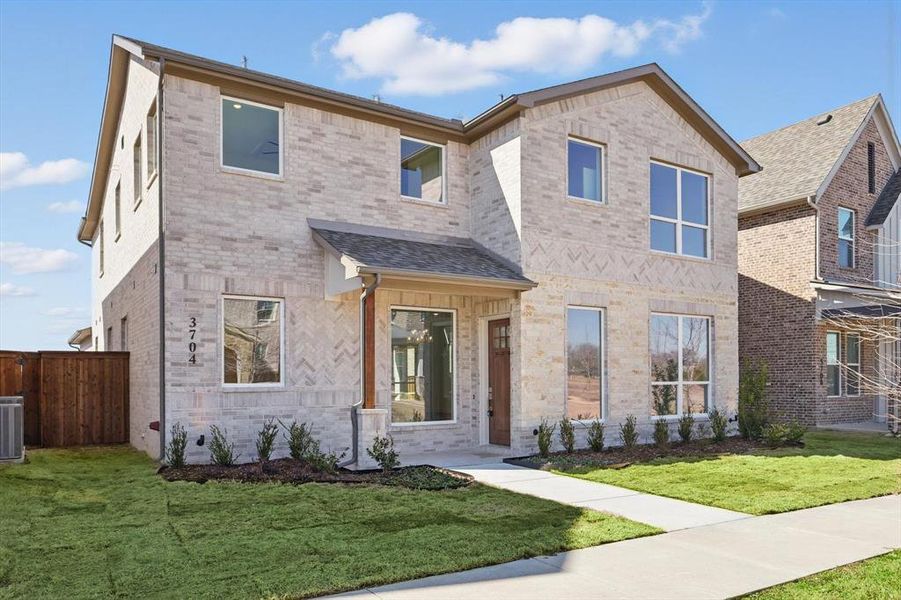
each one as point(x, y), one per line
point(832, 467)
point(873, 579)
point(99, 522)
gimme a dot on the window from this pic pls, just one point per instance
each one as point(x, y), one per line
point(421, 170)
point(151, 142)
point(108, 341)
point(251, 136)
point(679, 211)
point(846, 238)
point(871, 167)
point(422, 365)
point(852, 359)
point(118, 208)
point(833, 366)
point(584, 363)
point(252, 347)
point(584, 166)
point(138, 162)
point(123, 334)
point(680, 365)
point(100, 249)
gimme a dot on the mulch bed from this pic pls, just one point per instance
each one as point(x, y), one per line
point(288, 470)
point(623, 457)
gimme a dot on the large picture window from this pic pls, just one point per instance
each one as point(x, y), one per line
point(421, 170)
point(252, 341)
point(680, 365)
point(251, 136)
point(679, 211)
point(846, 238)
point(422, 365)
point(833, 363)
point(584, 363)
point(584, 166)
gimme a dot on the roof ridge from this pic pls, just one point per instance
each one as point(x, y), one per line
point(872, 98)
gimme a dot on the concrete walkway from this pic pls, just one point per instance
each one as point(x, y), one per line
point(666, 513)
point(717, 561)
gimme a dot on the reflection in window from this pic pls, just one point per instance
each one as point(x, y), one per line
point(679, 207)
point(584, 165)
point(252, 338)
point(852, 352)
point(422, 365)
point(680, 364)
point(421, 170)
point(251, 136)
point(584, 363)
point(833, 365)
point(846, 238)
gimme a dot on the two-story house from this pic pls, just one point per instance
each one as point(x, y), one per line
point(819, 291)
point(266, 248)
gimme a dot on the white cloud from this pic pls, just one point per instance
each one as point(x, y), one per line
point(17, 171)
point(63, 208)
point(23, 259)
point(13, 290)
point(398, 49)
point(66, 311)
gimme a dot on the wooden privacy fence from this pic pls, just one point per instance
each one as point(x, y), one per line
point(71, 398)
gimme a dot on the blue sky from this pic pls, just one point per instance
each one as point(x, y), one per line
point(753, 66)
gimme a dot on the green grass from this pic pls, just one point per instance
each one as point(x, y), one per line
point(874, 579)
point(99, 523)
point(832, 467)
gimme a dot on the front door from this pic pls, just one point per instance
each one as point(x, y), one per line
point(499, 382)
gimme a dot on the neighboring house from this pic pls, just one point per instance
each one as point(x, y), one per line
point(281, 250)
point(81, 340)
point(819, 231)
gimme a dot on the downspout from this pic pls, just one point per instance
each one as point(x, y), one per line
point(161, 259)
point(355, 442)
point(812, 202)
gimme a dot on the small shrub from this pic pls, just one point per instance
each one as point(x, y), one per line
point(178, 442)
point(300, 440)
point(661, 433)
point(753, 408)
point(795, 432)
point(222, 452)
point(545, 436)
point(774, 435)
point(718, 424)
point(327, 462)
point(596, 436)
point(628, 432)
point(266, 440)
point(382, 452)
point(686, 427)
point(567, 434)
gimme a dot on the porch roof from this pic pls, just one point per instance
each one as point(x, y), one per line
point(400, 253)
point(870, 311)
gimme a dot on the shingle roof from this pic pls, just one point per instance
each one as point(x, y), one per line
point(796, 159)
point(886, 200)
point(397, 252)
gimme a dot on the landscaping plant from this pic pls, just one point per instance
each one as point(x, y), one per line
point(382, 452)
point(628, 431)
point(327, 462)
point(266, 440)
point(661, 433)
point(753, 409)
point(686, 427)
point(596, 436)
point(774, 434)
point(175, 450)
point(545, 435)
point(300, 440)
point(795, 432)
point(718, 424)
point(567, 434)
point(222, 452)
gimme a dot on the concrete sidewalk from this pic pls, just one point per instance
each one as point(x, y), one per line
point(666, 513)
point(717, 561)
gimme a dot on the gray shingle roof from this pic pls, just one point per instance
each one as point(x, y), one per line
point(796, 159)
point(387, 251)
point(886, 201)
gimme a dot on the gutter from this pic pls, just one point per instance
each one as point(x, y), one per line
point(161, 259)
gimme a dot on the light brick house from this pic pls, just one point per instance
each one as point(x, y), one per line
point(266, 248)
point(819, 232)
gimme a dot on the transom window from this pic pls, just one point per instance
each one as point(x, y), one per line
point(833, 363)
point(584, 170)
point(251, 136)
point(584, 363)
point(680, 365)
point(852, 352)
point(846, 237)
point(252, 331)
point(679, 211)
point(422, 170)
point(422, 365)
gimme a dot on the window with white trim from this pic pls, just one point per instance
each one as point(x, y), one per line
point(251, 137)
point(117, 206)
point(137, 165)
point(584, 170)
point(584, 362)
point(422, 365)
point(680, 216)
point(252, 346)
point(833, 363)
point(422, 170)
point(680, 364)
point(151, 141)
point(846, 221)
point(101, 249)
point(852, 362)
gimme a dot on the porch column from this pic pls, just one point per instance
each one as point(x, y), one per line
point(369, 350)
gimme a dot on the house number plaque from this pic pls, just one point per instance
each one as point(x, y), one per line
point(192, 345)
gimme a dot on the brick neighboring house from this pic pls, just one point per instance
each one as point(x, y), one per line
point(275, 249)
point(818, 242)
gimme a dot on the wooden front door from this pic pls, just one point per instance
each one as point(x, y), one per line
point(499, 382)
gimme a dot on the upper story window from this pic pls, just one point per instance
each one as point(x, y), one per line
point(846, 237)
point(584, 170)
point(138, 161)
point(118, 208)
point(871, 167)
point(680, 202)
point(252, 332)
point(251, 136)
point(151, 142)
point(422, 169)
point(100, 250)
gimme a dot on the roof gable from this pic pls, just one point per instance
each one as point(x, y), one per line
point(886, 201)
